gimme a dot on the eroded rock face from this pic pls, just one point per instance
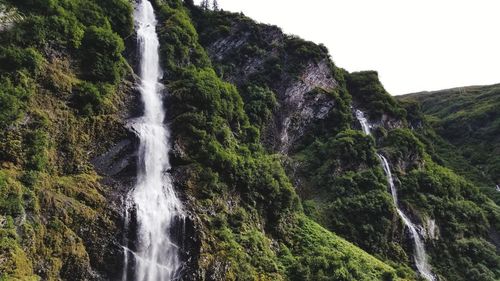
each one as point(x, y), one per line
point(298, 105)
point(431, 229)
point(228, 46)
point(117, 168)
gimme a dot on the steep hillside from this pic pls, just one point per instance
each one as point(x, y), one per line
point(65, 86)
point(277, 179)
point(68, 158)
point(248, 219)
point(334, 168)
point(469, 119)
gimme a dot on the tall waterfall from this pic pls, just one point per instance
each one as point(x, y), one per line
point(419, 255)
point(153, 201)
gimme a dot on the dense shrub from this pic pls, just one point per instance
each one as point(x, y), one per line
point(43, 204)
point(101, 51)
point(87, 98)
point(464, 124)
point(368, 92)
point(462, 213)
point(13, 99)
point(347, 189)
point(259, 104)
point(218, 127)
point(119, 12)
point(401, 144)
point(13, 59)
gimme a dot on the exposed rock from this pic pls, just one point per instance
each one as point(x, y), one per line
point(117, 159)
point(225, 47)
point(431, 230)
point(299, 107)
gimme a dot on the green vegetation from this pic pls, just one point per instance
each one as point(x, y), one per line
point(468, 119)
point(313, 253)
point(259, 104)
point(102, 50)
point(341, 183)
point(60, 68)
point(466, 217)
point(369, 94)
point(259, 215)
point(219, 129)
point(282, 56)
point(344, 189)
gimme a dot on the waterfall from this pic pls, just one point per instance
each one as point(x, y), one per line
point(420, 256)
point(153, 201)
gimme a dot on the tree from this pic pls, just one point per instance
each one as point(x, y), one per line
point(204, 4)
point(215, 5)
point(189, 3)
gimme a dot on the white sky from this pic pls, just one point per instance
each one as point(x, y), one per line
point(415, 45)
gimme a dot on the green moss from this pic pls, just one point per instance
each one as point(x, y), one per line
point(49, 191)
point(11, 203)
point(16, 264)
point(14, 96)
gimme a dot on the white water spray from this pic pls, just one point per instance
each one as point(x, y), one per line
point(420, 256)
point(153, 198)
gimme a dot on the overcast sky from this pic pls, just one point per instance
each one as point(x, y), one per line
point(415, 45)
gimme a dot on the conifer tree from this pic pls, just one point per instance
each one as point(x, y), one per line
point(204, 4)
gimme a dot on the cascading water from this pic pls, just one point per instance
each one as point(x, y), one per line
point(153, 200)
point(420, 256)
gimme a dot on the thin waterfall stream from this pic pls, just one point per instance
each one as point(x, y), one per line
point(420, 255)
point(152, 204)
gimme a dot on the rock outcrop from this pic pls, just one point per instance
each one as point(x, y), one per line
point(303, 98)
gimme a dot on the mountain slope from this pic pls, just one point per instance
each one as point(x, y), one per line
point(247, 215)
point(335, 169)
point(276, 177)
point(469, 119)
point(67, 158)
point(64, 89)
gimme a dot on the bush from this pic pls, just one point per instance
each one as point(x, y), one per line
point(13, 99)
point(401, 144)
point(11, 202)
point(119, 13)
point(13, 59)
point(368, 92)
point(259, 104)
point(91, 99)
point(101, 55)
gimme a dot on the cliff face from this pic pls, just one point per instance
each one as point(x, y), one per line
point(300, 74)
point(277, 178)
